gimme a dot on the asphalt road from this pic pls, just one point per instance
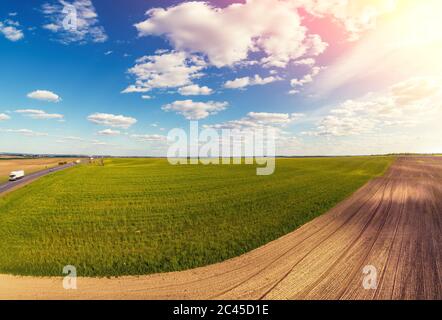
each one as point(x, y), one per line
point(31, 177)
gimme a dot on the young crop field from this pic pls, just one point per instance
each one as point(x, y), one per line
point(141, 216)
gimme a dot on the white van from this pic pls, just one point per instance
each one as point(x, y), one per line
point(15, 175)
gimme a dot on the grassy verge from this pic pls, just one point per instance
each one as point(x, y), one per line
point(140, 216)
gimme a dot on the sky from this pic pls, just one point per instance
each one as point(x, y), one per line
point(331, 77)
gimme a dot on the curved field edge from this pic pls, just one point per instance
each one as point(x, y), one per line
point(142, 216)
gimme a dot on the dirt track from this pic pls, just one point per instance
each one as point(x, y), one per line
point(394, 223)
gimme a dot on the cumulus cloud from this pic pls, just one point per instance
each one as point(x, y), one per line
point(109, 132)
point(237, 83)
point(44, 95)
point(195, 90)
point(84, 27)
point(240, 83)
point(39, 114)
point(165, 70)
point(268, 33)
point(355, 16)
point(111, 120)
point(192, 110)
point(4, 117)
point(405, 104)
point(11, 30)
point(226, 36)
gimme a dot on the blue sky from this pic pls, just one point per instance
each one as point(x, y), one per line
point(331, 80)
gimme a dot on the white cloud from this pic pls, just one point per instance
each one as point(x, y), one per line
point(308, 78)
point(149, 137)
point(111, 120)
point(146, 97)
point(39, 114)
point(265, 122)
point(87, 26)
point(71, 138)
point(99, 143)
point(44, 95)
point(305, 62)
point(192, 110)
point(415, 89)
point(10, 29)
point(260, 120)
point(24, 132)
point(135, 89)
point(108, 52)
point(4, 116)
point(356, 16)
point(51, 27)
point(249, 81)
point(237, 83)
point(165, 70)
point(109, 132)
point(226, 36)
point(274, 118)
point(315, 45)
point(195, 90)
point(406, 104)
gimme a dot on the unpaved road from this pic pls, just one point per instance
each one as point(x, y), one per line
point(394, 224)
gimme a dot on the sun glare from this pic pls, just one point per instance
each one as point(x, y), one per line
point(418, 23)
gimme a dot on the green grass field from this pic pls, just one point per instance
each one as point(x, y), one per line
point(140, 216)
